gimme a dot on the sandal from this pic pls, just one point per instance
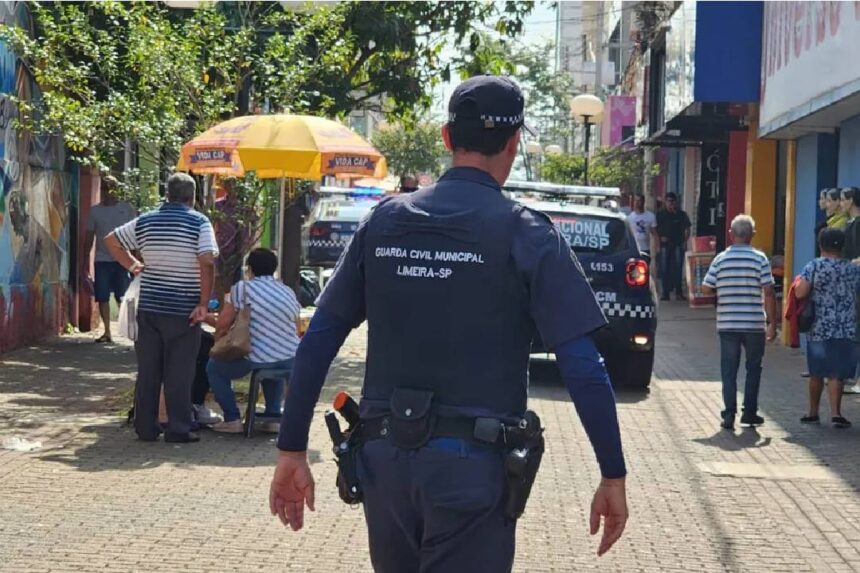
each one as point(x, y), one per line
point(104, 338)
point(840, 422)
point(810, 420)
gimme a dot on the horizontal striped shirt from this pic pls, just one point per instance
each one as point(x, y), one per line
point(170, 240)
point(738, 274)
point(274, 312)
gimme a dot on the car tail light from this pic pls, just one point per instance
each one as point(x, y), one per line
point(320, 229)
point(636, 274)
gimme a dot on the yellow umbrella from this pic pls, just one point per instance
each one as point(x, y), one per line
point(273, 146)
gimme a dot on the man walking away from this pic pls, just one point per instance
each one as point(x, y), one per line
point(111, 277)
point(644, 225)
point(739, 275)
point(673, 228)
point(178, 245)
point(437, 423)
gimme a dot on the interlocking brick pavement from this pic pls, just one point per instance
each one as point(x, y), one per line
point(94, 499)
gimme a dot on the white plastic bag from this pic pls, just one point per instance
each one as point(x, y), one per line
point(128, 310)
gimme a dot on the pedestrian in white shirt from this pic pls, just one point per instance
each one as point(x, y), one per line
point(643, 223)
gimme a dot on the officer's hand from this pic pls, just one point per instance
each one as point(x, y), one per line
point(292, 487)
point(610, 501)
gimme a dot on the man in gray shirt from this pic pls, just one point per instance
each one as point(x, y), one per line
point(111, 277)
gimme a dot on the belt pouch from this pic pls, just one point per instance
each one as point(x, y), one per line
point(412, 417)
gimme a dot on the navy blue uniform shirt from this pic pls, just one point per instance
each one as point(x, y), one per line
point(561, 301)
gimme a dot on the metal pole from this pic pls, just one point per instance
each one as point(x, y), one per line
point(587, 141)
point(282, 198)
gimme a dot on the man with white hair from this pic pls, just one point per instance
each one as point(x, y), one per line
point(746, 315)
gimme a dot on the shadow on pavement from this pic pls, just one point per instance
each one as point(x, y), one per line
point(65, 376)
point(734, 441)
point(108, 447)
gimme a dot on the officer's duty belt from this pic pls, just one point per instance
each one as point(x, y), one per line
point(489, 431)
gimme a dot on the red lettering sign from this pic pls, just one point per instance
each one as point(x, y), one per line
point(799, 13)
point(822, 8)
point(835, 15)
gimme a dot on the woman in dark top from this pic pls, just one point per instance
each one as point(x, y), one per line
point(851, 205)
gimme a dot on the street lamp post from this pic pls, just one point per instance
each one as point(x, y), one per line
point(589, 108)
point(534, 151)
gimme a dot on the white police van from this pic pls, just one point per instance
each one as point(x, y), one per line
point(619, 274)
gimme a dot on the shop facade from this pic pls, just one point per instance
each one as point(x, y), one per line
point(810, 106)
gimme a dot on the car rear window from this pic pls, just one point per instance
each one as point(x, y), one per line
point(343, 209)
point(592, 234)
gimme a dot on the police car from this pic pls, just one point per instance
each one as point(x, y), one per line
point(619, 274)
point(332, 223)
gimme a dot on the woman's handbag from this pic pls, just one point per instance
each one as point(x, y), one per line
point(236, 344)
point(806, 316)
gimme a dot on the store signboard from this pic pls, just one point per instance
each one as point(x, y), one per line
point(711, 212)
point(808, 59)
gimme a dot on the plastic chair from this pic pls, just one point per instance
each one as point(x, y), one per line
point(257, 376)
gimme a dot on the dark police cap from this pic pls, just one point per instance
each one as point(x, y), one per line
point(488, 102)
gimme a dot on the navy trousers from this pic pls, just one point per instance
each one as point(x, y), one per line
point(434, 509)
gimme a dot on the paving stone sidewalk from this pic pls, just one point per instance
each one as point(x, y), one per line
point(91, 498)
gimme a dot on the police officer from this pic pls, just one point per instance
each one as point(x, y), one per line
point(453, 280)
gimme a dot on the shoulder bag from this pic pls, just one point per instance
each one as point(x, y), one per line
point(806, 316)
point(236, 343)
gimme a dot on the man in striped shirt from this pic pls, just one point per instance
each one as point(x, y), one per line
point(179, 249)
point(746, 315)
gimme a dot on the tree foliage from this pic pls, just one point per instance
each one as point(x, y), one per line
point(414, 149)
point(113, 72)
point(623, 168)
point(547, 91)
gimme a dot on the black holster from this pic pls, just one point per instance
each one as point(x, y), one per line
point(348, 486)
point(522, 463)
point(346, 456)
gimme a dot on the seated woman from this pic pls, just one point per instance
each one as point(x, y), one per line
point(274, 338)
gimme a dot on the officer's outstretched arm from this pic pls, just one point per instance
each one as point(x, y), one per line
point(293, 485)
point(587, 381)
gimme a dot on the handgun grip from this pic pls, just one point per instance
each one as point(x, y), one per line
point(348, 408)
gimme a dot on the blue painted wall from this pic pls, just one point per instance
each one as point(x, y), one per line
point(728, 51)
point(849, 153)
point(816, 169)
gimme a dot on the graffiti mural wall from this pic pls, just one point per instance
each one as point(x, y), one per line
point(37, 185)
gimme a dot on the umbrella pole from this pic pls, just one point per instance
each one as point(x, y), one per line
point(282, 202)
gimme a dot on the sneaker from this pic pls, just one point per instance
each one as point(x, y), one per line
point(206, 416)
point(271, 427)
point(751, 421)
point(665, 298)
point(728, 423)
point(852, 389)
point(810, 420)
point(840, 422)
point(231, 427)
point(679, 296)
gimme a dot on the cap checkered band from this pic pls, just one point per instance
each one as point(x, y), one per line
point(490, 121)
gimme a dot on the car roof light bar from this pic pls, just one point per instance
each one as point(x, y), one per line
point(556, 189)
